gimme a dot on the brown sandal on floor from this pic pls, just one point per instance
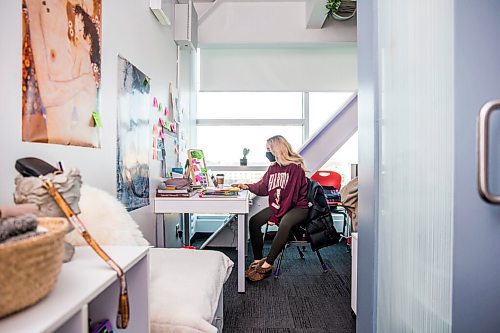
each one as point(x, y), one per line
point(260, 273)
point(253, 265)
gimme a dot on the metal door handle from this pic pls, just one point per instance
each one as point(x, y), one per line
point(483, 136)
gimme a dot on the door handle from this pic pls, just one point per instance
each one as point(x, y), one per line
point(483, 151)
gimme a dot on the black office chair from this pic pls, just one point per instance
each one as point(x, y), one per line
point(317, 231)
point(331, 182)
point(298, 239)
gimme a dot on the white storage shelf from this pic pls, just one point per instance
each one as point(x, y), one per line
point(88, 289)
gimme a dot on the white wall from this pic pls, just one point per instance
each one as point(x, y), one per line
point(187, 85)
point(256, 22)
point(128, 28)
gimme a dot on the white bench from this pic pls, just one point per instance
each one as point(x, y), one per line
point(185, 291)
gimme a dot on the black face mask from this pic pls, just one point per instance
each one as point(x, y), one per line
point(270, 157)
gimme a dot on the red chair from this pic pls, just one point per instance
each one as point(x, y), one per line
point(331, 180)
point(328, 178)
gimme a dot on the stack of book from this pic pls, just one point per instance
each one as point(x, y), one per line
point(220, 192)
point(171, 191)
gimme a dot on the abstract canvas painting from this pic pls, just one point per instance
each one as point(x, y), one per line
point(133, 136)
point(61, 71)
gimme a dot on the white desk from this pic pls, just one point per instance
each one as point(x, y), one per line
point(195, 205)
point(88, 288)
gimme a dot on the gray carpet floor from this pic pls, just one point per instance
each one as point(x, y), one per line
point(303, 299)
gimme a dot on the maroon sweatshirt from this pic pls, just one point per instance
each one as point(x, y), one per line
point(286, 187)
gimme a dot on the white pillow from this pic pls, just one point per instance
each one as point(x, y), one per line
point(107, 220)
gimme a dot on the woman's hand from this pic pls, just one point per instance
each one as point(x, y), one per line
point(240, 186)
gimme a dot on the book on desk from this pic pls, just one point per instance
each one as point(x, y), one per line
point(172, 191)
point(175, 194)
point(175, 188)
point(219, 192)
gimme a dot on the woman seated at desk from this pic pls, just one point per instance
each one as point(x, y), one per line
point(286, 185)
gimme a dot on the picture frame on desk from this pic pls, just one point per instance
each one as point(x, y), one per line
point(197, 168)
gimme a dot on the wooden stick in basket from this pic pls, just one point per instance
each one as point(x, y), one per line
point(123, 315)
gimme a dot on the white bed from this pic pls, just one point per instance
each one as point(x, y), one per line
point(186, 290)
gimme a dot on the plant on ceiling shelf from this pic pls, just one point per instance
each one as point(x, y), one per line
point(341, 9)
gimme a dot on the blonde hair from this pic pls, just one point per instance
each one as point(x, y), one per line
point(283, 152)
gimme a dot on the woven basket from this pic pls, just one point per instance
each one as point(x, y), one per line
point(29, 268)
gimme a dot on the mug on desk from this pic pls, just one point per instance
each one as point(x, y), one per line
point(220, 180)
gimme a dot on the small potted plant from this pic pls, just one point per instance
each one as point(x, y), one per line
point(341, 9)
point(243, 161)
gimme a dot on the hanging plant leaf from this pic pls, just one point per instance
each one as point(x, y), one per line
point(332, 6)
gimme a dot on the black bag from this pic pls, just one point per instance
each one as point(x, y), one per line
point(332, 194)
point(319, 226)
point(33, 167)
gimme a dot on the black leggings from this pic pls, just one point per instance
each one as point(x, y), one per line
point(292, 218)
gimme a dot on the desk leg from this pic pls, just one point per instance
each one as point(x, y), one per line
point(246, 235)
point(186, 219)
point(160, 230)
point(164, 228)
point(241, 252)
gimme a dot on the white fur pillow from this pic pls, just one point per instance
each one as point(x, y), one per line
point(107, 220)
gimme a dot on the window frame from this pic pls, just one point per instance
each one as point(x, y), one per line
point(303, 122)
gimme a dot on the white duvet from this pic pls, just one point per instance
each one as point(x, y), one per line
point(184, 289)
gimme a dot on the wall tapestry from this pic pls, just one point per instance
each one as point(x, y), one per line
point(61, 71)
point(133, 139)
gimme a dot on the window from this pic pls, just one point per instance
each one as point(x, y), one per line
point(223, 145)
point(249, 105)
point(229, 121)
point(323, 105)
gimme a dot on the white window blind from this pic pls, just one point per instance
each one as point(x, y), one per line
point(279, 69)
